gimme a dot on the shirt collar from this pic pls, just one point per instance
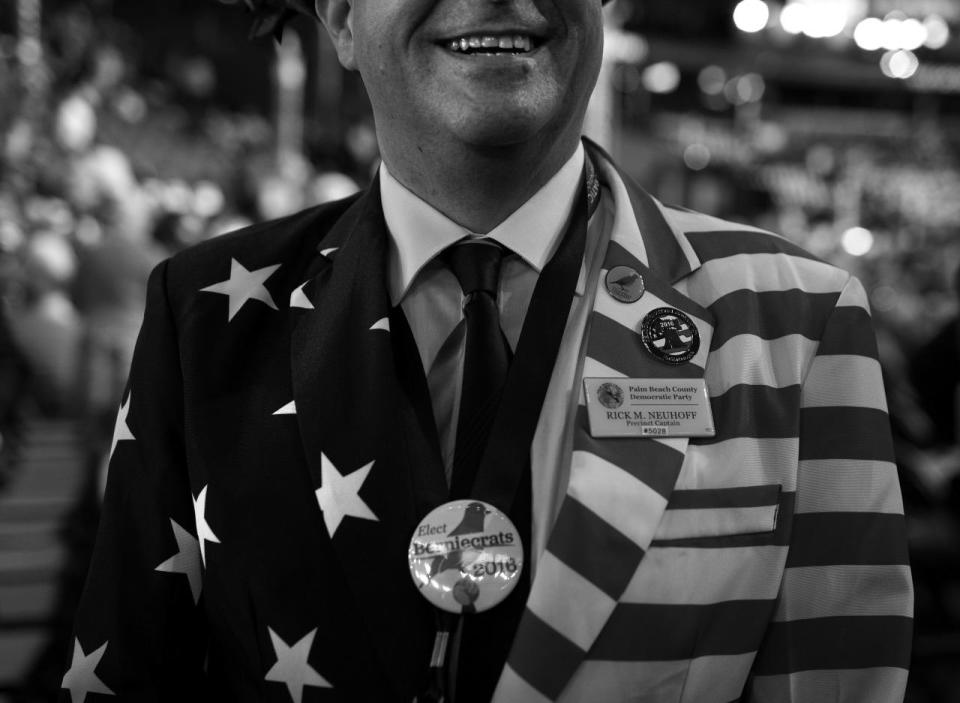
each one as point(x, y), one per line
point(418, 231)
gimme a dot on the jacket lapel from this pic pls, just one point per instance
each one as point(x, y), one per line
point(619, 487)
point(347, 399)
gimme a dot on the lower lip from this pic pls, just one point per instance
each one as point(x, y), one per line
point(502, 57)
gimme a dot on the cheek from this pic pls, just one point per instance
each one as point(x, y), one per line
point(587, 23)
point(389, 82)
point(590, 57)
point(377, 67)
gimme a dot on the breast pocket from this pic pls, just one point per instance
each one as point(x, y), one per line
point(720, 512)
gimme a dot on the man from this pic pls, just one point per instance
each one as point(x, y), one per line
point(539, 453)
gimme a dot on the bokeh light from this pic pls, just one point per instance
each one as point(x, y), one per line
point(751, 15)
point(697, 157)
point(661, 77)
point(857, 241)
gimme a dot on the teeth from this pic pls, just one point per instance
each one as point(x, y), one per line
point(516, 43)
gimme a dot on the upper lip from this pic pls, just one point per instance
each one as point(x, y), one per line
point(446, 36)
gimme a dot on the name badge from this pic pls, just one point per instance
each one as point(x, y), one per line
point(648, 407)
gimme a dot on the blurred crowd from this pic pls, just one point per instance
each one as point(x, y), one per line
point(105, 171)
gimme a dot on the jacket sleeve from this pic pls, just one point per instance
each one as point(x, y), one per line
point(843, 623)
point(138, 631)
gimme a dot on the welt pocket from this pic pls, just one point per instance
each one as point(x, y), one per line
point(720, 512)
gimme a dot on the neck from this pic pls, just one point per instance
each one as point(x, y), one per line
point(478, 188)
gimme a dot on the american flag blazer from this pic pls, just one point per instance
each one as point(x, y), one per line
point(252, 545)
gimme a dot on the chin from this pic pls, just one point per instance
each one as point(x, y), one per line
point(499, 135)
point(500, 127)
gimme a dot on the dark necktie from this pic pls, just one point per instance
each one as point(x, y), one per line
point(482, 640)
point(476, 264)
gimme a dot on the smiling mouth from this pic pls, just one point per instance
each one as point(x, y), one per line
point(492, 44)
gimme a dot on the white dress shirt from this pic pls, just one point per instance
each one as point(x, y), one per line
point(433, 305)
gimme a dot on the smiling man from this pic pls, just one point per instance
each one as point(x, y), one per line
point(502, 427)
point(477, 104)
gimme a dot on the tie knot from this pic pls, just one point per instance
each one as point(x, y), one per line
point(476, 264)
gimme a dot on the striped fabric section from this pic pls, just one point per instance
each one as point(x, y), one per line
point(842, 624)
point(874, 684)
point(678, 681)
point(850, 642)
point(713, 238)
point(593, 455)
point(741, 461)
point(625, 486)
point(579, 625)
point(766, 273)
point(749, 360)
point(690, 222)
point(513, 687)
point(617, 495)
point(820, 492)
point(754, 411)
point(657, 246)
point(826, 386)
point(698, 575)
point(715, 677)
point(767, 563)
point(841, 590)
point(727, 627)
point(625, 681)
point(771, 315)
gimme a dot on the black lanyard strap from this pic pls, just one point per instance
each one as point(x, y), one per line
point(508, 448)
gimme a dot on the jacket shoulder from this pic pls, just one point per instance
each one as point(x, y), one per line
point(291, 242)
point(756, 255)
point(268, 238)
point(714, 238)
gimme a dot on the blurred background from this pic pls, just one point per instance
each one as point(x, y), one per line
point(129, 130)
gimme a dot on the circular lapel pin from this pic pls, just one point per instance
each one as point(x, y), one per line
point(465, 556)
point(624, 284)
point(670, 335)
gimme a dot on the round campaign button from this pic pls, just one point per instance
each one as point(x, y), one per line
point(670, 335)
point(625, 284)
point(465, 556)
